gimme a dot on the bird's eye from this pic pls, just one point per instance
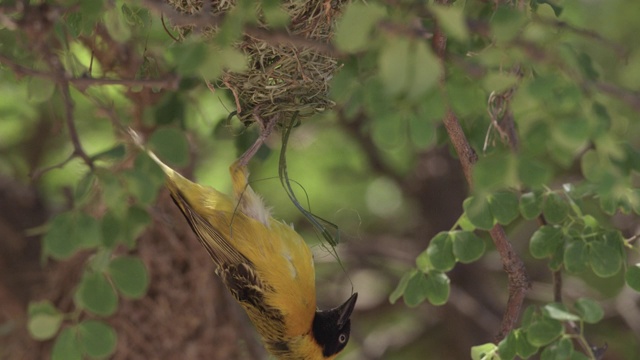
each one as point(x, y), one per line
point(342, 338)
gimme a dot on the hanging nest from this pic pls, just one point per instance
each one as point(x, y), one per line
point(280, 80)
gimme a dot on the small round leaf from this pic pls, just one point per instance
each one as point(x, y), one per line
point(555, 208)
point(467, 247)
point(560, 350)
point(96, 338)
point(605, 258)
point(632, 277)
point(440, 252)
point(504, 206)
point(507, 347)
point(416, 291)
point(437, 288)
point(477, 210)
point(44, 326)
point(170, 144)
point(66, 346)
point(530, 205)
point(129, 276)
point(545, 241)
point(96, 295)
point(524, 348)
point(544, 331)
point(590, 311)
point(576, 256)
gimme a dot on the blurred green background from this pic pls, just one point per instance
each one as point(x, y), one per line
point(379, 165)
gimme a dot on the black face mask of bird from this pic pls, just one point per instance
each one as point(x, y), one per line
point(331, 328)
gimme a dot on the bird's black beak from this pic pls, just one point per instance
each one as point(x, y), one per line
point(346, 309)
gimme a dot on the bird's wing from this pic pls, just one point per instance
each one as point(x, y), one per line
point(237, 272)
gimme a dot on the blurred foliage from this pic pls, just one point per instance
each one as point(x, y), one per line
point(563, 180)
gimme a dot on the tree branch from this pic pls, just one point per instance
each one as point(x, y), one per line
point(512, 264)
point(84, 82)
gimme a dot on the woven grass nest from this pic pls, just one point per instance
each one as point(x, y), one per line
point(280, 80)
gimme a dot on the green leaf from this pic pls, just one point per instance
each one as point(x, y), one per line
point(507, 346)
point(44, 326)
point(57, 241)
point(560, 350)
point(141, 186)
point(274, 14)
point(67, 346)
point(530, 205)
point(40, 89)
point(113, 192)
point(440, 252)
point(557, 9)
point(188, 56)
point(555, 209)
point(116, 152)
point(484, 352)
point(96, 338)
point(545, 241)
point(544, 331)
point(576, 256)
point(171, 110)
point(524, 348)
point(477, 210)
point(402, 286)
point(96, 294)
point(572, 132)
point(422, 132)
point(632, 277)
point(467, 247)
point(417, 289)
point(533, 173)
point(84, 186)
point(507, 23)
point(590, 311)
point(116, 26)
point(504, 206)
point(355, 26)
point(137, 220)
point(605, 258)
point(170, 144)
point(452, 21)
point(69, 232)
point(426, 71)
point(499, 81)
point(437, 288)
point(88, 230)
point(111, 229)
point(559, 312)
point(129, 275)
point(557, 259)
point(495, 171)
point(394, 65)
point(529, 314)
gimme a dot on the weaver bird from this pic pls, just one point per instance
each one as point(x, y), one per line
point(265, 264)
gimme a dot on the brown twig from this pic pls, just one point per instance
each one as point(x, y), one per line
point(512, 264)
point(38, 173)
point(84, 82)
point(78, 150)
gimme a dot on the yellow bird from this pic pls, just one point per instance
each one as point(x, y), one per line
point(265, 264)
